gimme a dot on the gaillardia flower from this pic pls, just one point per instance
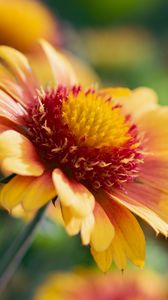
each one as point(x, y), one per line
point(91, 286)
point(103, 153)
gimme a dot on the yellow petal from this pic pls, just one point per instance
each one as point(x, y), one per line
point(11, 193)
point(142, 100)
point(39, 192)
point(116, 92)
point(136, 102)
point(31, 192)
point(71, 223)
point(19, 212)
point(73, 194)
point(86, 229)
point(62, 70)
point(118, 251)
point(103, 259)
point(127, 228)
point(74, 225)
point(103, 230)
point(154, 125)
point(18, 155)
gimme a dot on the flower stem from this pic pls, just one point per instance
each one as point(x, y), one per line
point(7, 178)
point(15, 253)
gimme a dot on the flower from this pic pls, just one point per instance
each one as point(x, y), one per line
point(92, 286)
point(104, 153)
point(22, 22)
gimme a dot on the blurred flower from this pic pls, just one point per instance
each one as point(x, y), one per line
point(91, 286)
point(22, 22)
point(104, 153)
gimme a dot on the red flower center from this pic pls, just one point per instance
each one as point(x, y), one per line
point(86, 136)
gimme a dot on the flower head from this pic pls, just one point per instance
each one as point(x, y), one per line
point(91, 286)
point(103, 153)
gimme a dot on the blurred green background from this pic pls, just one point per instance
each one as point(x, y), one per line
point(126, 42)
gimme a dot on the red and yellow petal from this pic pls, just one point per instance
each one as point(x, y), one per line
point(10, 109)
point(61, 68)
point(14, 90)
point(136, 102)
point(16, 63)
point(150, 203)
point(30, 192)
point(154, 171)
point(154, 124)
point(73, 194)
point(18, 155)
point(128, 231)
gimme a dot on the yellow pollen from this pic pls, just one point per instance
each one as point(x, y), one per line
point(93, 121)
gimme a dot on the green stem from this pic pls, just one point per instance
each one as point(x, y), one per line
point(7, 178)
point(15, 253)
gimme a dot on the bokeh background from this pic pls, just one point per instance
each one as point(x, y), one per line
point(126, 43)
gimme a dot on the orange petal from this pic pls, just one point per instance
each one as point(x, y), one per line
point(62, 70)
point(149, 203)
point(103, 259)
point(154, 124)
point(31, 192)
point(17, 64)
point(103, 230)
point(127, 229)
point(73, 194)
point(6, 124)
point(18, 155)
point(135, 102)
